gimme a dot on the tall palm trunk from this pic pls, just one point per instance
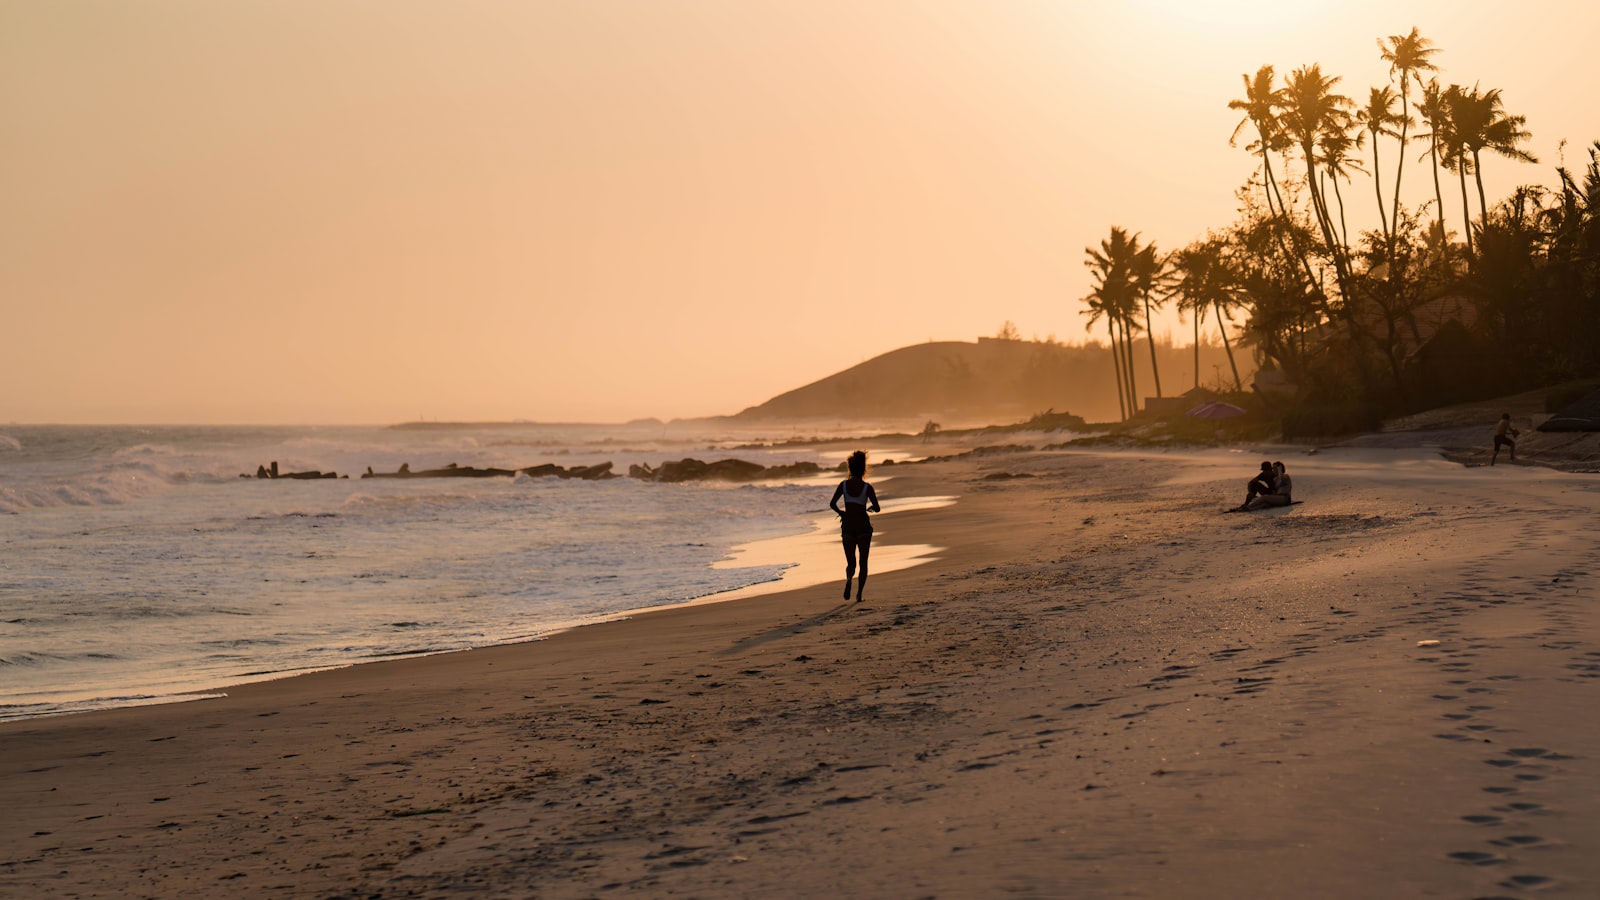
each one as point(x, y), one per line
point(1341, 274)
point(1319, 207)
point(1477, 175)
point(1282, 212)
point(1400, 165)
point(1466, 206)
point(1271, 182)
point(1149, 333)
point(1377, 188)
point(1199, 312)
point(1133, 389)
point(1116, 363)
point(1238, 384)
point(1438, 193)
point(1344, 229)
point(1325, 222)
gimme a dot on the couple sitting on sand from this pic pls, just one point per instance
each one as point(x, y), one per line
point(1271, 487)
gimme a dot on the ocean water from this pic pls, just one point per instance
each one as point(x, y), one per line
point(136, 565)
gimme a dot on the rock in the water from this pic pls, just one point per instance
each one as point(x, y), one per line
point(721, 470)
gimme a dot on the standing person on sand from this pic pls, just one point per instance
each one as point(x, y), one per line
point(855, 529)
point(1504, 435)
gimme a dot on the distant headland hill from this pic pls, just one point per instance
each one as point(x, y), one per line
point(967, 383)
point(992, 380)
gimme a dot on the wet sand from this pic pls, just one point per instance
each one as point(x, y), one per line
point(1102, 686)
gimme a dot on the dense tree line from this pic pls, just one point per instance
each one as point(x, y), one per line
point(1410, 314)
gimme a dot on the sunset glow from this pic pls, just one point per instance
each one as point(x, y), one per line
point(799, 448)
point(302, 212)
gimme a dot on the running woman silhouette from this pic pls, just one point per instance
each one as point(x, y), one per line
point(855, 528)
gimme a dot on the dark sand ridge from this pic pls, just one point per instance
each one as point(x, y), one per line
point(1103, 688)
point(1461, 433)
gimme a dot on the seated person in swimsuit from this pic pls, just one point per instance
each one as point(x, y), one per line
point(1282, 489)
point(1261, 484)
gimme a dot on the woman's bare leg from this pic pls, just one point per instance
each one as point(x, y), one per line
point(864, 543)
point(850, 563)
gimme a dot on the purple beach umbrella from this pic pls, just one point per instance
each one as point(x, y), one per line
point(1216, 409)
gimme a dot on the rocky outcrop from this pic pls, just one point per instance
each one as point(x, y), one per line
point(450, 471)
point(721, 470)
point(270, 471)
point(597, 472)
point(737, 470)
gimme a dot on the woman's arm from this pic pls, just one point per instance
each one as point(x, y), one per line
point(833, 504)
point(872, 499)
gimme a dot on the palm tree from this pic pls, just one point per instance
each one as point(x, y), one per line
point(1576, 224)
point(1311, 111)
point(1098, 309)
point(1379, 119)
point(1112, 298)
point(1456, 103)
point(1128, 321)
point(1149, 270)
point(1489, 128)
point(1202, 278)
point(1574, 251)
point(1337, 162)
point(1260, 104)
point(1196, 308)
point(1407, 58)
point(1436, 115)
point(1478, 122)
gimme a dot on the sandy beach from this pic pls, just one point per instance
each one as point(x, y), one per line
point(1100, 686)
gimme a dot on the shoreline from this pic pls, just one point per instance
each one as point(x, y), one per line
point(1098, 688)
point(807, 557)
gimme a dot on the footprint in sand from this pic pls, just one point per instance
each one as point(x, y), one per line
point(1517, 840)
point(1527, 881)
point(1520, 807)
point(1477, 858)
point(1251, 685)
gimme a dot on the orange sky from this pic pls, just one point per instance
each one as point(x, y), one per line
point(312, 211)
